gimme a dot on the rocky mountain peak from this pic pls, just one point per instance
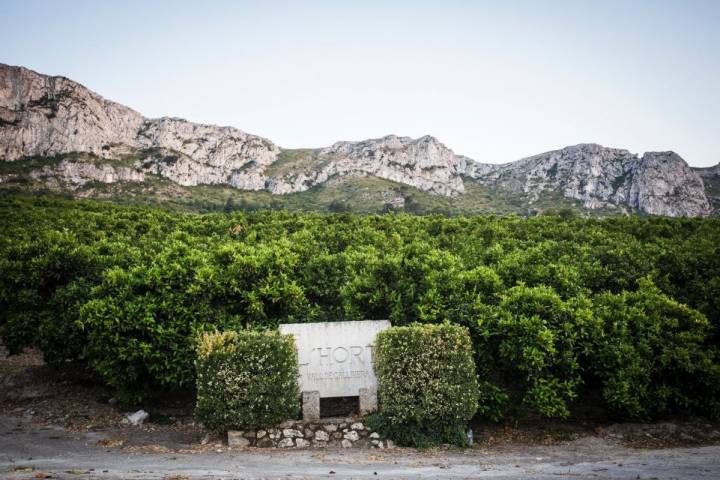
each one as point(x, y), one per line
point(708, 171)
point(664, 184)
point(424, 162)
point(44, 116)
point(658, 183)
point(711, 179)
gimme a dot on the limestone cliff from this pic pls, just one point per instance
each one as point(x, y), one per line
point(658, 183)
point(423, 163)
point(711, 179)
point(43, 116)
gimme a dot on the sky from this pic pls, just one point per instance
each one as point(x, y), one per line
point(496, 81)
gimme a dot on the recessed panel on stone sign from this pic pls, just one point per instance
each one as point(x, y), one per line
point(336, 358)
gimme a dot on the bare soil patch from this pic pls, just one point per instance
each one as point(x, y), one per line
point(44, 398)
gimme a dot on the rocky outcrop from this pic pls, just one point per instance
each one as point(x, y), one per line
point(72, 175)
point(42, 116)
point(45, 116)
point(662, 183)
point(204, 154)
point(708, 172)
point(584, 172)
point(658, 183)
point(423, 163)
point(466, 166)
point(711, 179)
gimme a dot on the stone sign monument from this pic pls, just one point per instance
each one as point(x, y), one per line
point(336, 360)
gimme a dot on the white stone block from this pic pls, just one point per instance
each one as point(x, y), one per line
point(236, 438)
point(336, 358)
point(291, 432)
point(286, 443)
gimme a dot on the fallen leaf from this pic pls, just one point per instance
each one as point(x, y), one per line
point(111, 442)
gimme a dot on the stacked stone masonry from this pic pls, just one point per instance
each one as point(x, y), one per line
point(332, 432)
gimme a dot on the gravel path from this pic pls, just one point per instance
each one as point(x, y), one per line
point(28, 451)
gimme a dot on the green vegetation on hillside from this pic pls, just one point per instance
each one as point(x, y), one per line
point(357, 194)
point(562, 310)
point(296, 160)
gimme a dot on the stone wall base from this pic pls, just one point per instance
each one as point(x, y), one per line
point(324, 433)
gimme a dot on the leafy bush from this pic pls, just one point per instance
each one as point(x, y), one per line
point(560, 311)
point(142, 322)
point(44, 283)
point(246, 379)
point(651, 357)
point(533, 342)
point(427, 386)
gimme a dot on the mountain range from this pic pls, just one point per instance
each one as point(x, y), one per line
point(58, 136)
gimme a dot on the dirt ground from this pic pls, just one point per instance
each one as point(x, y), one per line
point(53, 426)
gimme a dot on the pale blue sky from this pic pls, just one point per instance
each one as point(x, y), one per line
point(496, 81)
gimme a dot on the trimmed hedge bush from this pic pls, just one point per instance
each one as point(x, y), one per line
point(427, 386)
point(246, 379)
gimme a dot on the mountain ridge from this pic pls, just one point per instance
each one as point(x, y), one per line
point(47, 117)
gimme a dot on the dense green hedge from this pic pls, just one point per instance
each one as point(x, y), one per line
point(246, 379)
point(621, 312)
point(427, 387)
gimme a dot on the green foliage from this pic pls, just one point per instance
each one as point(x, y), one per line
point(409, 434)
point(142, 319)
point(246, 379)
point(45, 280)
point(427, 386)
point(536, 340)
point(651, 358)
point(563, 212)
point(560, 311)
